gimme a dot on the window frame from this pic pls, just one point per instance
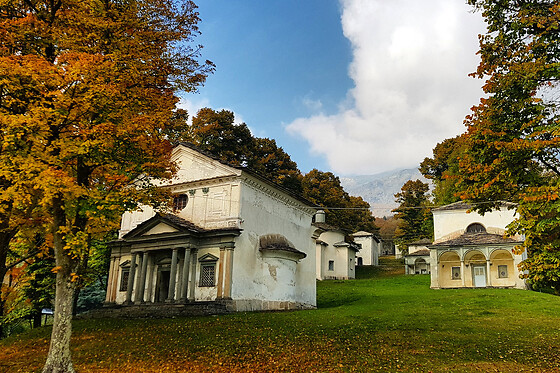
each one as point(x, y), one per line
point(180, 201)
point(500, 272)
point(125, 273)
point(455, 270)
point(201, 280)
point(331, 267)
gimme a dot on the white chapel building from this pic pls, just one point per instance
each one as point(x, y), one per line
point(473, 250)
point(233, 237)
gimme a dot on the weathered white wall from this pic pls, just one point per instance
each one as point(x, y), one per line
point(452, 223)
point(343, 257)
point(369, 251)
point(268, 211)
point(213, 203)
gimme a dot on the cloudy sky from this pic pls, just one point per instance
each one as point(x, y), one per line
point(349, 86)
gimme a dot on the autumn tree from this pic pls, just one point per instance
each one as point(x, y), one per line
point(414, 215)
point(443, 170)
point(86, 91)
point(346, 212)
point(512, 136)
point(217, 133)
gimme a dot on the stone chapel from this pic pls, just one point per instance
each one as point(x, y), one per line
point(233, 237)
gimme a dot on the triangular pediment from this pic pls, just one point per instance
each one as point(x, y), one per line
point(194, 165)
point(208, 258)
point(162, 224)
point(160, 228)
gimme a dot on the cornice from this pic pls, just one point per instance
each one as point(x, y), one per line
point(276, 194)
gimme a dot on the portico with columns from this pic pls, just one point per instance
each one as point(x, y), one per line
point(473, 250)
point(169, 266)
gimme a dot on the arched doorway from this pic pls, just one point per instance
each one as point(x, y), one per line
point(476, 261)
point(420, 266)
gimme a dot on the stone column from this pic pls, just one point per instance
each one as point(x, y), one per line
point(110, 281)
point(151, 266)
point(463, 274)
point(221, 274)
point(142, 283)
point(488, 276)
point(172, 277)
point(131, 274)
point(115, 280)
point(138, 279)
point(193, 274)
point(229, 267)
point(186, 265)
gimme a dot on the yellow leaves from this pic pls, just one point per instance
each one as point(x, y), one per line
point(56, 269)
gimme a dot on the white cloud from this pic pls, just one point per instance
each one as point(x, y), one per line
point(193, 106)
point(410, 65)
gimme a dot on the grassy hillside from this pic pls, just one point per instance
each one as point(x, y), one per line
point(386, 323)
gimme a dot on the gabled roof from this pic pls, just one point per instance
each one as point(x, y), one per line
point(423, 252)
point(176, 222)
point(477, 239)
point(422, 242)
point(461, 205)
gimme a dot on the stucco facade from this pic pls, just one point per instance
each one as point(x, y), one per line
point(233, 237)
point(370, 248)
point(335, 256)
point(472, 250)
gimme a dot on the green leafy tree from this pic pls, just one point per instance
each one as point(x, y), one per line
point(443, 170)
point(512, 140)
point(414, 216)
point(216, 133)
point(347, 212)
point(87, 89)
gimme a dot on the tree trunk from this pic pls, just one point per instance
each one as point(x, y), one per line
point(59, 359)
point(37, 319)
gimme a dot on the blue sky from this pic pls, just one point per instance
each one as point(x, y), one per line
point(349, 86)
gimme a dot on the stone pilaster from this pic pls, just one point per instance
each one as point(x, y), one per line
point(221, 265)
point(110, 281)
point(228, 274)
point(488, 276)
point(194, 255)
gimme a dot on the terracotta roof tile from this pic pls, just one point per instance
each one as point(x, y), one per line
point(477, 239)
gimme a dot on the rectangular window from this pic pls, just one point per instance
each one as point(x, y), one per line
point(124, 279)
point(207, 275)
point(331, 265)
point(502, 271)
point(455, 273)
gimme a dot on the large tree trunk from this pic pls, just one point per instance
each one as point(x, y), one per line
point(6, 236)
point(59, 359)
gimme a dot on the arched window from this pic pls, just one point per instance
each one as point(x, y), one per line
point(476, 228)
point(180, 202)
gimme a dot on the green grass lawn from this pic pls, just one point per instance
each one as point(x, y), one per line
point(385, 323)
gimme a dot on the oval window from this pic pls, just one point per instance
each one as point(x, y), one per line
point(180, 202)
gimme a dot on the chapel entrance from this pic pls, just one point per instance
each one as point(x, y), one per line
point(162, 287)
point(479, 276)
